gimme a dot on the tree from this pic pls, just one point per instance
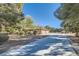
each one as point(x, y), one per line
point(26, 23)
point(19, 7)
point(69, 14)
point(9, 15)
point(51, 29)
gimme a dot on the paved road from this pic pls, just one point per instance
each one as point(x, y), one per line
point(52, 45)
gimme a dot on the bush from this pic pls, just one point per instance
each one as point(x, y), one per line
point(21, 33)
point(34, 32)
point(3, 37)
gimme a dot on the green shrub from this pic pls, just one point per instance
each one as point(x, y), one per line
point(21, 32)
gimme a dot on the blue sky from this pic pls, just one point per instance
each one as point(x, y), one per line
point(42, 13)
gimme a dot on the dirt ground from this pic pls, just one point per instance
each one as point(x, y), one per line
point(75, 43)
point(16, 43)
